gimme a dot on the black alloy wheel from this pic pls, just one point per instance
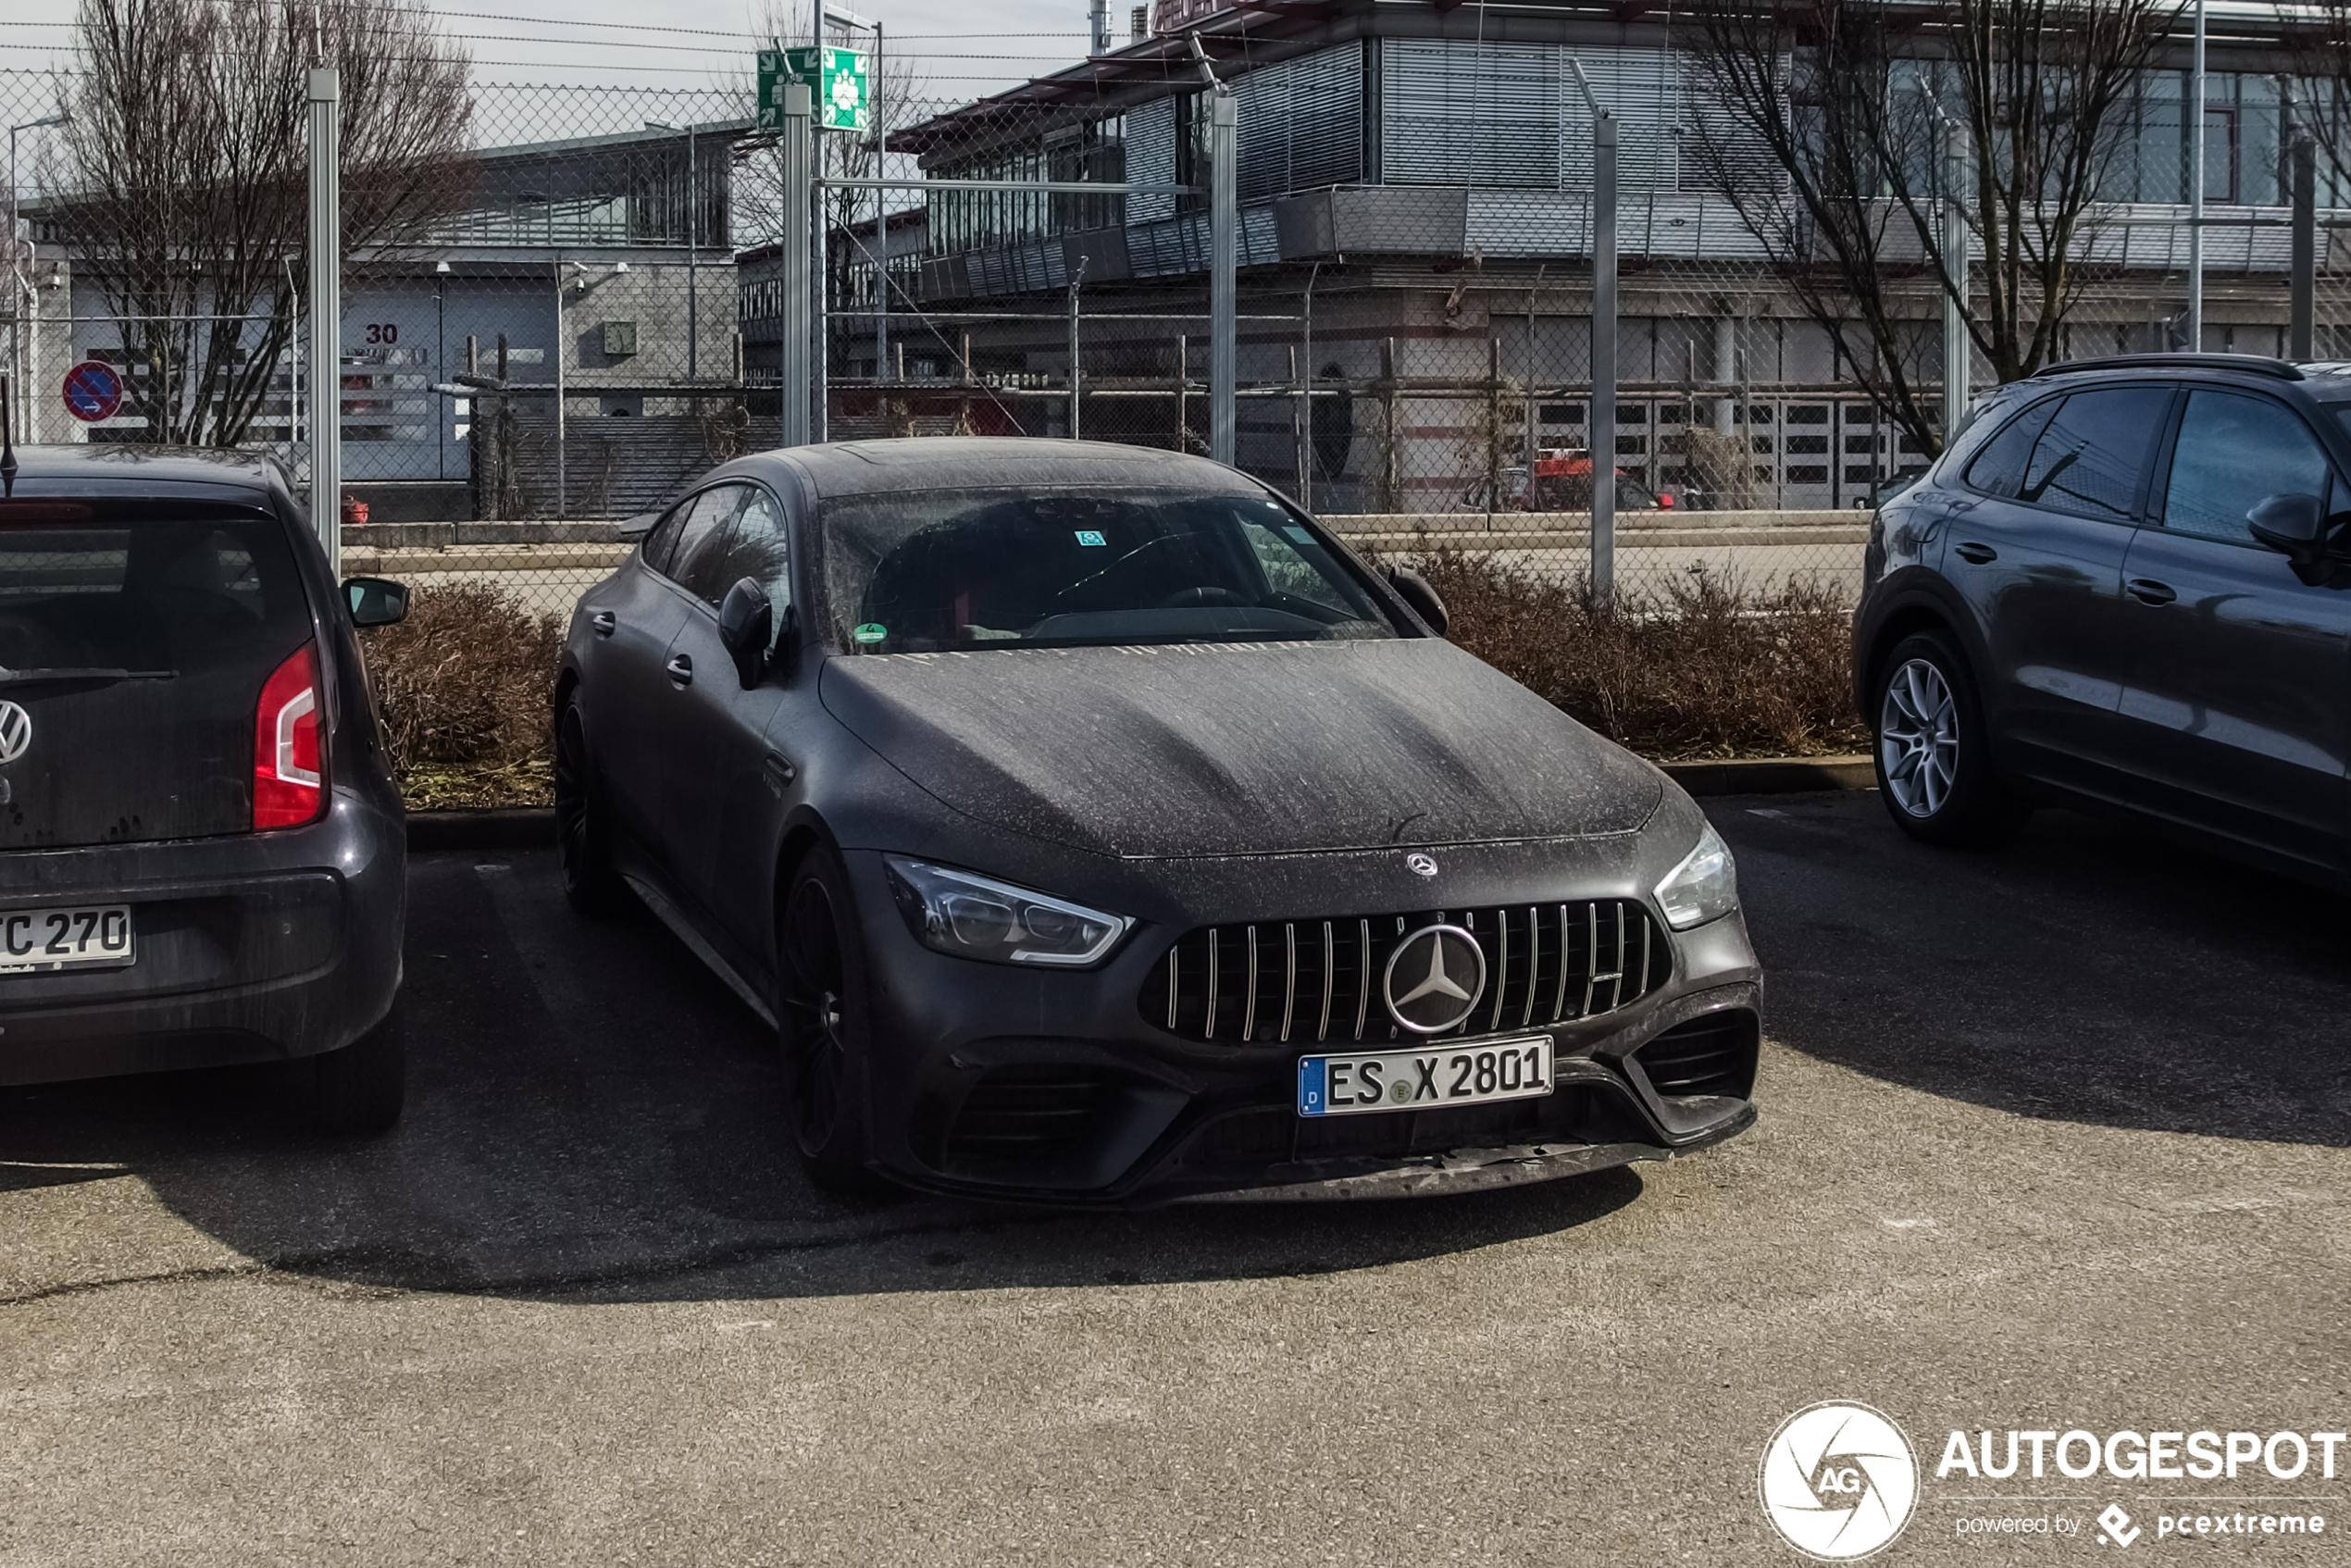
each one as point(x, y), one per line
point(824, 1024)
point(583, 822)
point(1933, 754)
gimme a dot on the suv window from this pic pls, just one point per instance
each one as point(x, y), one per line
point(2089, 458)
point(702, 543)
point(1998, 469)
point(2234, 450)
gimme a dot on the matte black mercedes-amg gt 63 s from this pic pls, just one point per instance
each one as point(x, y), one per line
point(201, 852)
point(1098, 828)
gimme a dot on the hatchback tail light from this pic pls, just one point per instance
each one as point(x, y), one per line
point(289, 748)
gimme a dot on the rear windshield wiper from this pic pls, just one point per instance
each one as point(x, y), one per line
point(80, 676)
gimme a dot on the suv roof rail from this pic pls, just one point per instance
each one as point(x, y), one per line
point(2257, 364)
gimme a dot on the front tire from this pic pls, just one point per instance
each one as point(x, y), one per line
point(361, 1090)
point(1934, 749)
point(826, 1023)
point(583, 819)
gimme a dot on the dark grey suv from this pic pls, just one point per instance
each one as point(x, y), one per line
point(2126, 585)
point(201, 850)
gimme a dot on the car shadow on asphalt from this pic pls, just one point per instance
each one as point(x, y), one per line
point(2087, 971)
point(593, 1116)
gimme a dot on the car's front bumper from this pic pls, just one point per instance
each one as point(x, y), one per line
point(251, 947)
point(1003, 1082)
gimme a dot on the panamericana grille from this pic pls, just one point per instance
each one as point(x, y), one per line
point(1317, 980)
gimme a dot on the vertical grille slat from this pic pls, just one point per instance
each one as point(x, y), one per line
point(1612, 949)
point(1330, 963)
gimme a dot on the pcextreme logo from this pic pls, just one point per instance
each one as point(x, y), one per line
point(1838, 1481)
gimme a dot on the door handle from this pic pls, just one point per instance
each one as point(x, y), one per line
point(2146, 590)
point(1979, 554)
point(603, 622)
point(681, 670)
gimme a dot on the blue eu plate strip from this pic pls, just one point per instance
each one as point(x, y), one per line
point(1314, 1086)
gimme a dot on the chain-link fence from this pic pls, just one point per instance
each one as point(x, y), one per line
point(578, 299)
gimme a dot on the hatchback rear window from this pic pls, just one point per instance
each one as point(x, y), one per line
point(137, 642)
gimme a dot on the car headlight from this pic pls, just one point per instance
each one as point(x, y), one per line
point(1704, 887)
point(973, 916)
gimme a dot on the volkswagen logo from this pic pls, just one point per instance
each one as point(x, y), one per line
point(15, 732)
point(1420, 864)
point(1434, 977)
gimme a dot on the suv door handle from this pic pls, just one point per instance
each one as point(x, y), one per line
point(1979, 554)
point(681, 670)
point(2146, 590)
point(603, 622)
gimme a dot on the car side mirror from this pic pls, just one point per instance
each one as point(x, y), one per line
point(376, 601)
point(2293, 526)
point(1414, 591)
point(746, 624)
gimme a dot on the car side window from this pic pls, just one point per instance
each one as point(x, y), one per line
point(663, 541)
point(702, 545)
point(2235, 450)
point(2089, 458)
point(760, 548)
point(1998, 469)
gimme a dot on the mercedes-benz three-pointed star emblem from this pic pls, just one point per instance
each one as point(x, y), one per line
point(1441, 972)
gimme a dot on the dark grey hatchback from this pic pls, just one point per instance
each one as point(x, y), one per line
point(202, 850)
point(2125, 585)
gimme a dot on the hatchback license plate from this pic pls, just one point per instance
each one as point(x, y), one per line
point(35, 939)
point(1419, 1079)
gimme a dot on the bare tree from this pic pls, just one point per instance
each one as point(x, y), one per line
point(2318, 34)
point(182, 180)
point(1823, 126)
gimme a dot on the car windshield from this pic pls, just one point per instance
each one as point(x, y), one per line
point(929, 571)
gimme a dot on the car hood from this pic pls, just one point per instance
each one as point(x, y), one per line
point(1241, 749)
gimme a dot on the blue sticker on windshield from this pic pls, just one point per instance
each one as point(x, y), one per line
point(1299, 535)
point(1088, 536)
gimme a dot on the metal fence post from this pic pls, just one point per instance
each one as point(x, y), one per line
point(1958, 351)
point(796, 392)
point(326, 312)
point(1076, 434)
point(1224, 225)
point(1603, 411)
point(2302, 310)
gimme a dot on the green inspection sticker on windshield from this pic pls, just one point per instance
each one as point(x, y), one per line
point(872, 631)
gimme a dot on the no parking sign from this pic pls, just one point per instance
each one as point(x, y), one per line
point(94, 392)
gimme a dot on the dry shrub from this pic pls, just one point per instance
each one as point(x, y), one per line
point(465, 684)
point(1706, 669)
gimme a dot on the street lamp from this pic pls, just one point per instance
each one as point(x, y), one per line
point(693, 307)
point(20, 290)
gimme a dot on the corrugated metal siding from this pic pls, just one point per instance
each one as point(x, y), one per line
point(1151, 158)
point(1470, 114)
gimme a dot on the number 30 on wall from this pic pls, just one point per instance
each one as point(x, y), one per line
point(383, 332)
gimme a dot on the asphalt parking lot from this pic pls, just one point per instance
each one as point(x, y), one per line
point(2050, 1138)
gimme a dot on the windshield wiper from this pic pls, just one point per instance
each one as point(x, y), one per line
point(80, 676)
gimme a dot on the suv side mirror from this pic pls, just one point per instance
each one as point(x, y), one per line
point(376, 601)
point(1413, 589)
point(2293, 526)
point(746, 624)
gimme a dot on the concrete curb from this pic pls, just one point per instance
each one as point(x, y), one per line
point(533, 827)
point(1774, 776)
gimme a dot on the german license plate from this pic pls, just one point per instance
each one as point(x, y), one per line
point(35, 939)
point(1468, 1074)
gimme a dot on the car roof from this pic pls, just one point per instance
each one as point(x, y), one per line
point(861, 467)
point(125, 468)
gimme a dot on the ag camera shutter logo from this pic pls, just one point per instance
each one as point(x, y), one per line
point(1838, 1481)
